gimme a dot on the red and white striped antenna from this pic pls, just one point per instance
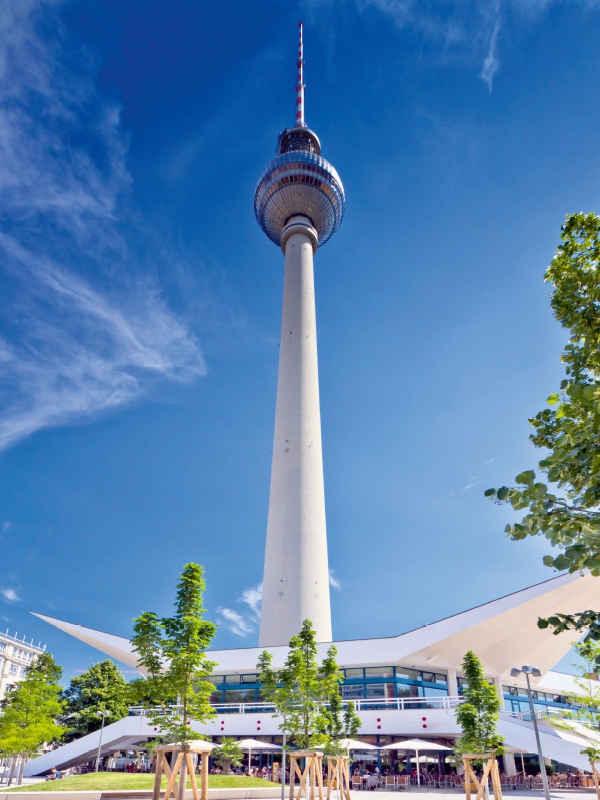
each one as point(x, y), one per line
point(300, 123)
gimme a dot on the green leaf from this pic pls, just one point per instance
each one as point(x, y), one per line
point(526, 477)
point(548, 561)
point(562, 562)
point(489, 492)
point(553, 399)
point(542, 623)
point(502, 493)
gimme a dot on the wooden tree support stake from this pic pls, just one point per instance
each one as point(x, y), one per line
point(183, 756)
point(311, 777)
point(338, 776)
point(490, 771)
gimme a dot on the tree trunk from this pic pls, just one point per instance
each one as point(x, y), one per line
point(225, 767)
point(182, 780)
point(13, 764)
point(22, 769)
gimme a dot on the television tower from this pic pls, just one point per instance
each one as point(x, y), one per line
point(299, 204)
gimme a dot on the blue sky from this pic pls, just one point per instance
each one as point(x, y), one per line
point(141, 302)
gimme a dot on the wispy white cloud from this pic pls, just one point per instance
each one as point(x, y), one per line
point(235, 622)
point(489, 460)
point(490, 63)
point(473, 482)
point(333, 581)
point(10, 595)
point(243, 624)
point(253, 599)
point(84, 325)
point(6, 526)
point(461, 29)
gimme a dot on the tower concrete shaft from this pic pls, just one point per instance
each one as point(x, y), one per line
point(296, 574)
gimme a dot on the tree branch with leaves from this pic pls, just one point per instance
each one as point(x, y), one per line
point(569, 430)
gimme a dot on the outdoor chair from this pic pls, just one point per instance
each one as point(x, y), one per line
point(403, 781)
point(356, 782)
point(390, 781)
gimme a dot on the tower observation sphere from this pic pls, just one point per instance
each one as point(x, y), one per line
point(299, 204)
point(299, 181)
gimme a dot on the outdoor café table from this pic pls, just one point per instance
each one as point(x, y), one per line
point(371, 781)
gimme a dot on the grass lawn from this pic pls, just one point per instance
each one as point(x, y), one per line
point(122, 780)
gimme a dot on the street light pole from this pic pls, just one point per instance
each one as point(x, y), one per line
point(527, 671)
point(104, 715)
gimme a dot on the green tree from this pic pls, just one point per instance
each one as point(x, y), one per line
point(302, 688)
point(228, 754)
point(478, 714)
point(585, 715)
point(172, 651)
point(30, 708)
point(335, 722)
point(102, 687)
point(569, 430)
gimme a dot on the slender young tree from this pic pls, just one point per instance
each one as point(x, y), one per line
point(228, 754)
point(568, 432)
point(302, 689)
point(102, 687)
point(478, 714)
point(335, 722)
point(29, 710)
point(172, 651)
point(584, 719)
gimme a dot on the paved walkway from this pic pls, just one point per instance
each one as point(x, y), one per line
point(446, 794)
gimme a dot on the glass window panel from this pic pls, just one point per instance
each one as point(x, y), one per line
point(408, 674)
point(354, 673)
point(432, 691)
point(250, 678)
point(439, 678)
point(379, 672)
point(216, 697)
point(353, 692)
point(429, 677)
point(216, 679)
point(233, 679)
point(406, 690)
point(380, 690)
point(240, 696)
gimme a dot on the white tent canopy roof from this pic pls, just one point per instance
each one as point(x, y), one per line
point(254, 744)
point(416, 744)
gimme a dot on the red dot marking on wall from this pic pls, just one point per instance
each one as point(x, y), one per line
point(424, 726)
point(424, 719)
point(258, 722)
point(258, 729)
point(379, 727)
point(378, 720)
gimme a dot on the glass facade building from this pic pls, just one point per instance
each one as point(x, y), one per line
point(360, 683)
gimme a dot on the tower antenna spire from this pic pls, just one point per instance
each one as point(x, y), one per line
point(300, 123)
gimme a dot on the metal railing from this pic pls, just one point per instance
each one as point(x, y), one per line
point(360, 704)
point(525, 716)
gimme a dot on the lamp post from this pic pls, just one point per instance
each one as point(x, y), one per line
point(527, 671)
point(104, 715)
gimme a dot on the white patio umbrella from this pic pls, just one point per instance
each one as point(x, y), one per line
point(354, 744)
point(416, 745)
point(254, 744)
